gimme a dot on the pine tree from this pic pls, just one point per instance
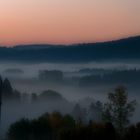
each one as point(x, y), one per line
point(7, 89)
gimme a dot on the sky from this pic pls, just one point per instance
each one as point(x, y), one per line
point(67, 21)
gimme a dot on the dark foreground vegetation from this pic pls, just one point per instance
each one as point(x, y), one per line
point(114, 125)
point(54, 126)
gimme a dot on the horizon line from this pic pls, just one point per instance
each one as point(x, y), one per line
point(70, 44)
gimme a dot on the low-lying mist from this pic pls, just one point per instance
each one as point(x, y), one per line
point(70, 81)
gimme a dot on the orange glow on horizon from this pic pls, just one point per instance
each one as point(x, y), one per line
point(67, 21)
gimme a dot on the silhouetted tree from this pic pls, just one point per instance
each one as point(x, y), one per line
point(1, 84)
point(77, 113)
point(1, 88)
point(7, 89)
point(118, 110)
point(95, 112)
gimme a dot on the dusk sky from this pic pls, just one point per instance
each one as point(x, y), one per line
point(67, 21)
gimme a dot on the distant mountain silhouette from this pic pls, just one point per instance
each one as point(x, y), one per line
point(125, 49)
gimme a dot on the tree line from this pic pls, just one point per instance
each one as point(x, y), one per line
point(115, 76)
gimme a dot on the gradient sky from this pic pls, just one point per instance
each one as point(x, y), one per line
point(67, 21)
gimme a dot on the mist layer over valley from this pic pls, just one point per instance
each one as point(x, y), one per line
point(82, 83)
point(72, 77)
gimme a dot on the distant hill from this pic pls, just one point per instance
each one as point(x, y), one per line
point(123, 49)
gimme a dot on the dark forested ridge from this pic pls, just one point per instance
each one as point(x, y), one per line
point(128, 48)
